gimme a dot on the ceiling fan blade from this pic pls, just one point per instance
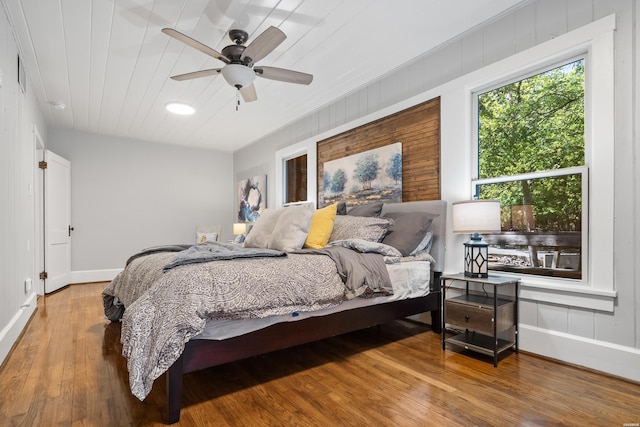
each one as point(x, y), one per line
point(197, 74)
point(195, 44)
point(249, 93)
point(284, 75)
point(264, 44)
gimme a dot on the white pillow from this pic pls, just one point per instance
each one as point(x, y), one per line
point(292, 228)
point(260, 234)
point(206, 237)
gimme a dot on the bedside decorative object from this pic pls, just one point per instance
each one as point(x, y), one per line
point(475, 217)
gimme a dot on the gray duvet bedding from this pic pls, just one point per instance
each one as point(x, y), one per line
point(165, 308)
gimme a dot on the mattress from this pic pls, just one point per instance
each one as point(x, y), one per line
point(408, 279)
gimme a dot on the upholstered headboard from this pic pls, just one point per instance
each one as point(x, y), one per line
point(438, 208)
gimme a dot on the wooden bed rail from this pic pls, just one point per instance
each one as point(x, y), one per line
point(201, 354)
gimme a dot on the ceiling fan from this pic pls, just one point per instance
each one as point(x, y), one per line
point(240, 70)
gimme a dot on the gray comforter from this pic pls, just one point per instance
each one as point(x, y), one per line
point(185, 254)
point(216, 251)
point(165, 308)
point(364, 274)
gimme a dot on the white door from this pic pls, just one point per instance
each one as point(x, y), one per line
point(57, 221)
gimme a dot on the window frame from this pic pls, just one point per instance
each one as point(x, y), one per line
point(282, 156)
point(287, 177)
point(596, 42)
point(583, 169)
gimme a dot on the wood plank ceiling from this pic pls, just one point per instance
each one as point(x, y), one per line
point(108, 62)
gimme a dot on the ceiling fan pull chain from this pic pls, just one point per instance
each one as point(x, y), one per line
point(237, 99)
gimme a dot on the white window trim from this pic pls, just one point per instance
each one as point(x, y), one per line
point(597, 41)
point(307, 147)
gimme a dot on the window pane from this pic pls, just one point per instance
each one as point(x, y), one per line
point(534, 124)
point(296, 173)
point(541, 225)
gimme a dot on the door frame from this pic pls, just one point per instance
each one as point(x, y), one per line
point(38, 215)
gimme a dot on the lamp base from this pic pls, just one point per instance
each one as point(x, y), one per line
point(476, 275)
point(476, 257)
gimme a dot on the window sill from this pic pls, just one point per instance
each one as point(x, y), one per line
point(574, 295)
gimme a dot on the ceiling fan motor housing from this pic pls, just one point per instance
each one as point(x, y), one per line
point(233, 52)
point(238, 73)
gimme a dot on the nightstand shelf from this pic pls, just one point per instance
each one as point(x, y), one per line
point(480, 343)
point(485, 319)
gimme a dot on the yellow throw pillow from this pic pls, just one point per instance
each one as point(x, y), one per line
point(321, 227)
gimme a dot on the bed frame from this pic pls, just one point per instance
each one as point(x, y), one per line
point(202, 354)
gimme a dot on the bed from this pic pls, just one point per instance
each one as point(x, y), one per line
point(178, 328)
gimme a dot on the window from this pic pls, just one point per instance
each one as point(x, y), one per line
point(531, 157)
point(295, 173)
point(594, 43)
point(296, 179)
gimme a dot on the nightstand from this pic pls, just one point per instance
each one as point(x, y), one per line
point(482, 319)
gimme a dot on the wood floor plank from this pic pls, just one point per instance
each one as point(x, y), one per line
point(67, 370)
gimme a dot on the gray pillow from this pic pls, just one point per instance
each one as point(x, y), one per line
point(369, 209)
point(407, 231)
point(260, 234)
point(359, 227)
point(425, 245)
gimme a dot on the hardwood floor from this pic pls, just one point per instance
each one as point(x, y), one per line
point(67, 369)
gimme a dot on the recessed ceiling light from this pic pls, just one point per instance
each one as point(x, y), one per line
point(180, 108)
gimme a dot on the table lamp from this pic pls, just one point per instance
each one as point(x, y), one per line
point(239, 228)
point(475, 217)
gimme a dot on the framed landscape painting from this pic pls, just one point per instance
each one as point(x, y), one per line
point(374, 175)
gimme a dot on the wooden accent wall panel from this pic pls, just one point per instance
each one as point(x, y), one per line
point(418, 128)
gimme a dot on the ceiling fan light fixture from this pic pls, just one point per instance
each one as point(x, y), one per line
point(180, 108)
point(238, 75)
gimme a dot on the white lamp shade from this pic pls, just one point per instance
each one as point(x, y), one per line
point(476, 216)
point(239, 228)
point(238, 75)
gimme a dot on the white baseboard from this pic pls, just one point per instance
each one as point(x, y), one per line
point(10, 334)
point(87, 276)
point(601, 356)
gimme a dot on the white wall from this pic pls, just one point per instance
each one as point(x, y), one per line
point(127, 195)
point(18, 116)
point(607, 341)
